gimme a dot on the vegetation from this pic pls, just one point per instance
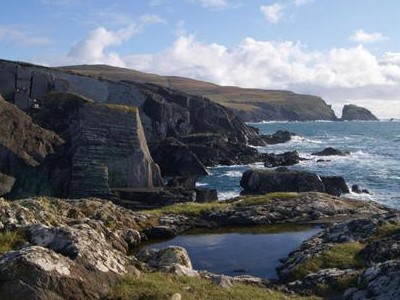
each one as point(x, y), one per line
point(161, 286)
point(341, 256)
point(263, 199)
point(11, 240)
point(189, 208)
point(385, 231)
point(122, 108)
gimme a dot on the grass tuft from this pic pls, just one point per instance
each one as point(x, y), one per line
point(263, 199)
point(11, 240)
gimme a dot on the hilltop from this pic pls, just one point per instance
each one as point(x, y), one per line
point(252, 105)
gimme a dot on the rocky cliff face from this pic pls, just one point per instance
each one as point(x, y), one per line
point(251, 105)
point(164, 112)
point(356, 113)
point(87, 149)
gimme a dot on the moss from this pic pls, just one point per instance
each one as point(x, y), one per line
point(157, 286)
point(385, 231)
point(337, 288)
point(189, 208)
point(341, 256)
point(263, 199)
point(121, 108)
point(11, 240)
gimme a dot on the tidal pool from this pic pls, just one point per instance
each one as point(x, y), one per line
point(236, 251)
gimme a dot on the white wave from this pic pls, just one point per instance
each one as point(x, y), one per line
point(302, 139)
point(201, 184)
point(228, 195)
point(233, 174)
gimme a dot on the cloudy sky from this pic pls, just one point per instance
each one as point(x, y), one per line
point(343, 50)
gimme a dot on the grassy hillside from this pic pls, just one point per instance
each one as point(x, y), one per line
point(249, 104)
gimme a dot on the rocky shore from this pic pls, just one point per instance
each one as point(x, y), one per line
point(79, 249)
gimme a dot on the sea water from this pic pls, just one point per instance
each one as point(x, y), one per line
point(373, 163)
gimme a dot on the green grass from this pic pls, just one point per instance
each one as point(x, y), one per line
point(263, 199)
point(189, 208)
point(341, 256)
point(342, 283)
point(160, 286)
point(11, 240)
point(385, 231)
point(121, 108)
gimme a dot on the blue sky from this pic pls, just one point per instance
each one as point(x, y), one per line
point(345, 51)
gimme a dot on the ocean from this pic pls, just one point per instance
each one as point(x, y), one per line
point(373, 163)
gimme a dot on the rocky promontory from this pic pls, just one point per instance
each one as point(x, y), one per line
point(353, 112)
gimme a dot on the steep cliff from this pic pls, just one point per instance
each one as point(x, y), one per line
point(251, 105)
point(356, 113)
point(164, 112)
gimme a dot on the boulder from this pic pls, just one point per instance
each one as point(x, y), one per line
point(281, 180)
point(331, 152)
point(381, 282)
point(285, 159)
point(355, 188)
point(279, 137)
point(165, 258)
point(175, 159)
point(335, 185)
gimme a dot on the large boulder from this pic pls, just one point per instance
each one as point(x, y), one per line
point(335, 185)
point(331, 152)
point(279, 137)
point(280, 180)
point(272, 160)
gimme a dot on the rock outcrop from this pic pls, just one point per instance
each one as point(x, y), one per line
point(281, 180)
point(285, 180)
point(279, 137)
point(331, 152)
point(356, 113)
point(272, 160)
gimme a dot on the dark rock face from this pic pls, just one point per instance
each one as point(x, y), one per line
point(187, 183)
point(264, 181)
point(175, 159)
point(206, 195)
point(355, 113)
point(285, 159)
point(164, 112)
point(331, 152)
point(355, 188)
point(335, 185)
point(279, 137)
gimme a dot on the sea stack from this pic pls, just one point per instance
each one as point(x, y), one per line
point(353, 112)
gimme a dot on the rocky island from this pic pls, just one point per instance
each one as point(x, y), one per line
point(83, 163)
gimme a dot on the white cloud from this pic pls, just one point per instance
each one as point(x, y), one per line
point(92, 49)
point(360, 36)
point(152, 19)
point(273, 13)
point(21, 37)
point(302, 2)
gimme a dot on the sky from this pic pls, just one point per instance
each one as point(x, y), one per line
point(346, 51)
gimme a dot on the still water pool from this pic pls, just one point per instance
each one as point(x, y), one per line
point(237, 251)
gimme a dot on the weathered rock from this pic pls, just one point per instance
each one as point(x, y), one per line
point(331, 152)
point(206, 195)
point(265, 181)
point(353, 112)
point(279, 137)
point(335, 185)
point(381, 282)
point(160, 232)
point(165, 258)
point(187, 183)
point(355, 188)
point(284, 159)
point(6, 183)
point(175, 159)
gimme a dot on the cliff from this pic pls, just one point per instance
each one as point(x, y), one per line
point(252, 105)
point(356, 113)
point(164, 112)
point(102, 147)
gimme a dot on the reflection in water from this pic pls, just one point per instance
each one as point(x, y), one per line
point(235, 253)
